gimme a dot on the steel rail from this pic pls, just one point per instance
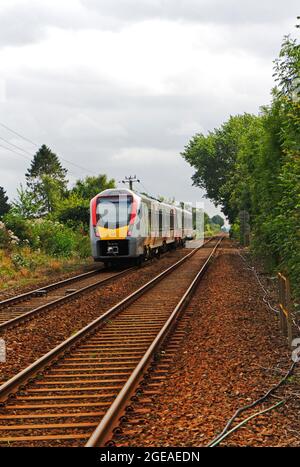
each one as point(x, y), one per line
point(104, 430)
point(55, 285)
point(61, 300)
point(10, 387)
point(26, 316)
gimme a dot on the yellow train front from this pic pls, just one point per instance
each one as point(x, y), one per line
point(125, 225)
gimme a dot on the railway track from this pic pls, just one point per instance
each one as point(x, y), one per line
point(143, 404)
point(60, 399)
point(23, 307)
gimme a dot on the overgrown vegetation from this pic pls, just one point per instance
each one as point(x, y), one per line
point(46, 226)
point(252, 163)
point(212, 226)
point(49, 221)
point(23, 266)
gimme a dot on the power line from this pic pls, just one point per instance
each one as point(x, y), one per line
point(37, 145)
point(22, 155)
point(147, 191)
point(15, 152)
point(15, 146)
point(18, 134)
point(78, 166)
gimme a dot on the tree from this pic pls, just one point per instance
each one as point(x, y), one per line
point(90, 186)
point(52, 192)
point(46, 179)
point(217, 220)
point(4, 205)
point(252, 163)
point(74, 208)
point(214, 158)
point(26, 205)
point(287, 66)
point(73, 211)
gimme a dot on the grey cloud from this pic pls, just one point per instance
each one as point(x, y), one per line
point(90, 122)
point(20, 29)
point(109, 128)
point(213, 11)
point(25, 23)
point(101, 114)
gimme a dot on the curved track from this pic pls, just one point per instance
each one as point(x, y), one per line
point(60, 399)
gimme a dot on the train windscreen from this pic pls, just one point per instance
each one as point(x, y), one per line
point(114, 212)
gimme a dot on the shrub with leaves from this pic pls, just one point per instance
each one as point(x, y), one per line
point(73, 211)
point(7, 237)
point(51, 237)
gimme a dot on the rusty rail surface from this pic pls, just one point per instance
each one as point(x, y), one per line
point(59, 399)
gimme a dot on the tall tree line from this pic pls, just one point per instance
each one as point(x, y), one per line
point(252, 163)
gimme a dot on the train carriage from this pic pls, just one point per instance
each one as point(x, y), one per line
point(124, 225)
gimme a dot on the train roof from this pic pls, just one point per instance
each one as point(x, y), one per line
point(126, 191)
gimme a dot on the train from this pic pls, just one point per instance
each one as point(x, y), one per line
point(126, 225)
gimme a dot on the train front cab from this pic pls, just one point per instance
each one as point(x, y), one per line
point(132, 226)
point(113, 217)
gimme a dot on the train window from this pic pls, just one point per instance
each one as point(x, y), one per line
point(149, 222)
point(172, 219)
point(160, 220)
point(178, 219)
point(114, 211)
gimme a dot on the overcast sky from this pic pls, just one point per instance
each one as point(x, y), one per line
point(119, 86)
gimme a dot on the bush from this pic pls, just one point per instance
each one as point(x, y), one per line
point(211, 229)
point(83, 246)
point(73, 211)
point(235, 231)
point(7, 237)
point(55, 238)
point(19, 225)
point(74, 216)
point(51, 237)
point(20, 261)
point(4, 237)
